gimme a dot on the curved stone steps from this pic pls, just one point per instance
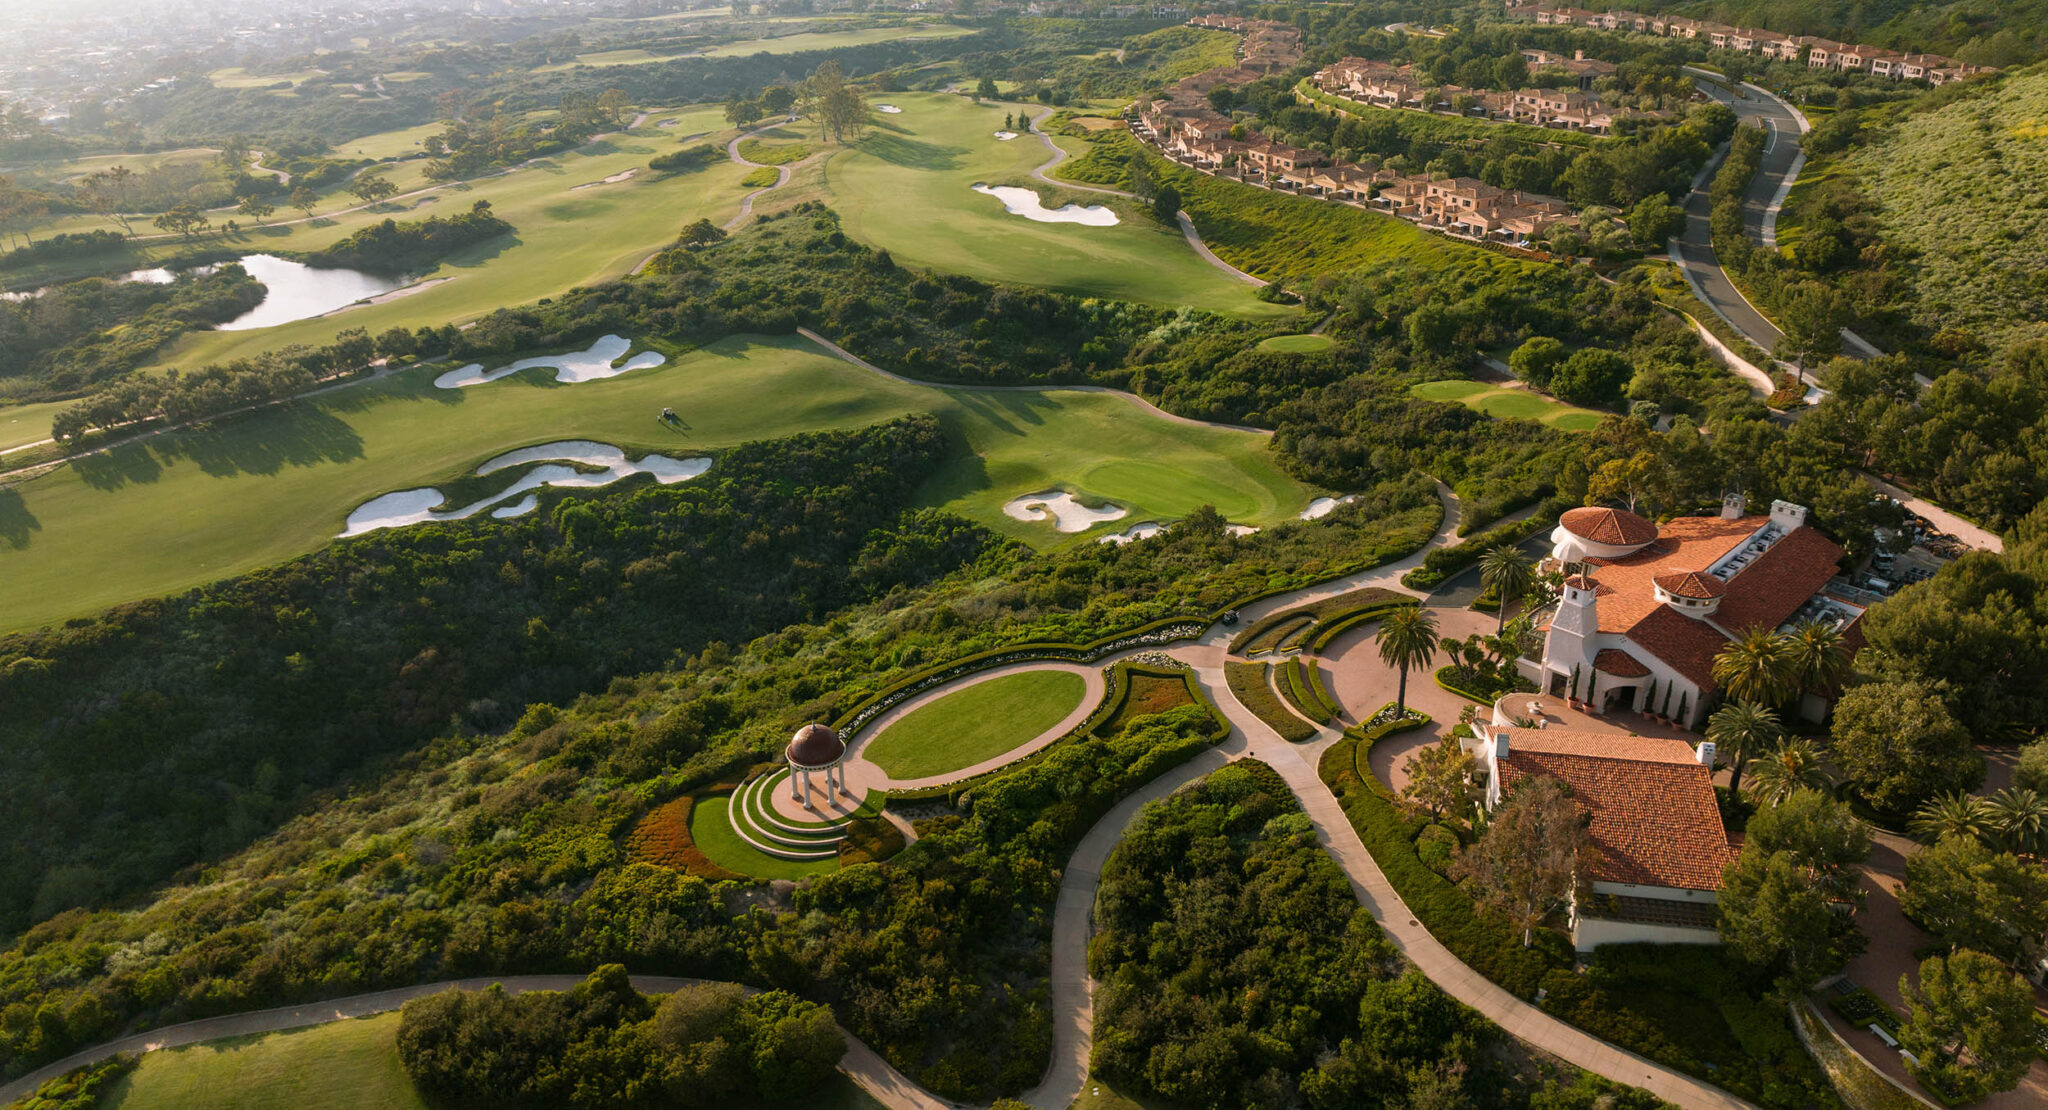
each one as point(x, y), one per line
point(742, 813)
point(760, 811)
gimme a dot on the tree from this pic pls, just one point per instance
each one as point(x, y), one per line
point(1815, 656)
point(1774, 918)
point(1526, 864)
point(1898, 745)
point(1957, 813)
point(2031, 773)
point(777, 99)
point(1970, 1023)
point(2020, 817)
point(371, 188)
point(1821, 835)
point(1793, 766)
point(846, 113)
point(611, 106)
point(1654, 220)
point(739, 111)
point(701, 233)
point(1537, 359)
point(1509, 574)
point(1756, 667)
point(255, 207)
point(1592, 376)
point(1407, 638)
point(305, 200)
point(986, 89)
point(185, 219)
point(1812, 316)
point(1166, 204)
point(1973, 897)
point(1439, 777)
point(1742, 729)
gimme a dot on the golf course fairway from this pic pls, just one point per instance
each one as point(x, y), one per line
point(184, 508)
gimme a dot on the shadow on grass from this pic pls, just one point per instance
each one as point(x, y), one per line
point(1006, 412)
point(130, 464)
point(16, 522)
point(913, 153)
point(295, 435)
point(480, 253)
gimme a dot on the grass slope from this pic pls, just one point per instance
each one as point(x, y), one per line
point(906, 187)
point(712, 832)
point(343, 1065)
point(835, 40)
point(1509, 404)
point(1297, 344)
point(979, 722)
point(179, 510)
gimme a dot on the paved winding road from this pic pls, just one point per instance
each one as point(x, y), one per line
point(1782, 159)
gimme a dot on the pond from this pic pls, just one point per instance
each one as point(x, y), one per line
point(298, 291)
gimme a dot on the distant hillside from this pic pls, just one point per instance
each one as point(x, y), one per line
point(1982, 32)
point(1961, 187)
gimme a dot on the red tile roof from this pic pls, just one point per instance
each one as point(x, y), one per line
point(1619, 663)
point(1686, 645)
point(1774, 585)
point(1611, 526)
point(1654, 818)
point(1691, 583)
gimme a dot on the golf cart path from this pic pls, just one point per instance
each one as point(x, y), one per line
point(1187, 226)
point(732, 151)
point(865, 776)
point(889, 1086)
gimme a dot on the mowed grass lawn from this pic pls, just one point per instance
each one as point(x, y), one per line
point(343, 1065)
point(1297, 344)
point(907, 187)
point(834, 40)
point(711, 830)
point(181, 509)
point(1509, 404)
point(975, 723)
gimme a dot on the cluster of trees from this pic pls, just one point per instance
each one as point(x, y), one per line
point(1234, 968)
point(83, 333)
point(67, 244)
point(482, 137)
point(178, 396)
point(395, 248)
point(604, 1044)
point(774, 100)
point(689, 158)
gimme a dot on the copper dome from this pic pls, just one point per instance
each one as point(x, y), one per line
point(815, 745)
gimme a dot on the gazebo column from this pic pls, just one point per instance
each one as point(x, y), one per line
point(794, 794)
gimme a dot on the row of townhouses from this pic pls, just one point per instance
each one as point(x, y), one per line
point(1820, 53)
point(1383, 85)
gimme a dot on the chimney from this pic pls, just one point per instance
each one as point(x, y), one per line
point(1500, 744)
point(1706, 754)
point(1578, 55)
point(1734, 505)
point(1788, 516)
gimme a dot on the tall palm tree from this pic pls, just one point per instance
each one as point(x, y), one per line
point(1739, 730)
point(1509, 574)
point(2020, 817)
point(1816, 655)
point(1957, 814)
point(1756, 667)
point(1407, 638)
point(1795, 766)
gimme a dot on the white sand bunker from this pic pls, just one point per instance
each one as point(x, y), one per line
point(888, 109)
point(575, 366)
point(416, 506)
point(1024, 202)
point(1322, 506)
point(612, 180)
point(1240, 530)
point(1005, 136)
point(1059, 506)
point(1144, 530)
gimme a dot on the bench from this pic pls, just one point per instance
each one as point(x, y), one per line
point(1889, 1040)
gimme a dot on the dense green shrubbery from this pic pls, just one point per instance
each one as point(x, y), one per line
point(68, 244)
point(83, 333)
point(398, 248)
point(687, 160)
point(603, 1045)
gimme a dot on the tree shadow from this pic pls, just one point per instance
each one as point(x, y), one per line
point(297, 435)
point(964, 473)
point(477, 254)
point(16, 522)
point(913, 153)
point(128, 464)
point(1006, 412)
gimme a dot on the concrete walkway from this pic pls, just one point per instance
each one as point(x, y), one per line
point(863, 776)
point(889, 1086)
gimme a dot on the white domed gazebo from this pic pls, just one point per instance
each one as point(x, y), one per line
point(815, 747)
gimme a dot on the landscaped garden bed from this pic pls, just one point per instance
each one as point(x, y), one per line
point(1306, 623)
point(1252, 683)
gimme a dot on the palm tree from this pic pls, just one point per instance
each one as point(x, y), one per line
point(1407, 638)
point(1509, 574)
point(1816, 655)
point(1957, 814)
point(1795, 766)
point(2020, 817)
point(1756, 667)
point(1742, 729)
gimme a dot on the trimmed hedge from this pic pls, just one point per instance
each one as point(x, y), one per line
point(1295, 690)
point(1483, 940)
point(1340, 625)
point(1320, 689)
point(1442, 563)
point(1319, 612)
point(1253, 686)
point(1447, 678)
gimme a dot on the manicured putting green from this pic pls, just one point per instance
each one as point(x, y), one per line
point(179, 510)
point(1297, 344)
point(343, 1065)
point(907, 186)
point(1509, 404)
point(711, 830)
point(975, 723)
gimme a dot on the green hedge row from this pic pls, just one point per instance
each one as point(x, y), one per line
point(1340, 625)
point(1321, 612)
point(1484, 941)
point(1321, 690)
point(1120, 692)
point(1296, 690)
point(1252, 684)
point(1443, 562)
